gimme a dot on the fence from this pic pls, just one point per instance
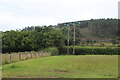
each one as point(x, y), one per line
point(9, 58)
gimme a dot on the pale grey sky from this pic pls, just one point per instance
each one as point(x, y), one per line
point(17, 14)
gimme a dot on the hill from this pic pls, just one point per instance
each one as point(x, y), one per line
point(95, 28)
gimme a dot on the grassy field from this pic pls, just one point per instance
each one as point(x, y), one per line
point(83, 66)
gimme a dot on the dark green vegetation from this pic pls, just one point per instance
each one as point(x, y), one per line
point(35, 38)
point(52, 50)
point(40, 38)
point(87, 66)
point(91, 50)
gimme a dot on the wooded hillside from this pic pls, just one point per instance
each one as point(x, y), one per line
point(37, 37)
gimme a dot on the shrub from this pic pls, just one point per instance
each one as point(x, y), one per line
point(6, 62)
point(91, 50)
point(14, 66)
point(62, 50)
point(53, 50)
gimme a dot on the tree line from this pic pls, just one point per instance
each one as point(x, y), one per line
point(34, 40)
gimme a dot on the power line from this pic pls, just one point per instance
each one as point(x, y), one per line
point(17, 10)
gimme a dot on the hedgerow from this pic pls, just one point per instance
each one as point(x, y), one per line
point(90, 50)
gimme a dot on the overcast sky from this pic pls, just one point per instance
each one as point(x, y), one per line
point(17, 14)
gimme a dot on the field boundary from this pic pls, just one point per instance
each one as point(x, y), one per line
point(21, 56)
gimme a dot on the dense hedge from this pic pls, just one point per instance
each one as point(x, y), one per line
point(91, 50)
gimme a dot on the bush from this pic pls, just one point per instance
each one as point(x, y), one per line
point(14, 66)
point(62, 50)
point(91, 50)
point(53, 50)
point(6, 62)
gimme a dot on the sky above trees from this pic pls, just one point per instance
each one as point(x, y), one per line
point(17, 14)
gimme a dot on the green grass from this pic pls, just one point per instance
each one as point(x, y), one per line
point(83, 66)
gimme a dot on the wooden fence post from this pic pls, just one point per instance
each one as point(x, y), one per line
point(1, 59)
point(31, 55)
point(26, 56)
point(10, 57)
point(20, 56)
point(35, 55)
point(39, 54)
